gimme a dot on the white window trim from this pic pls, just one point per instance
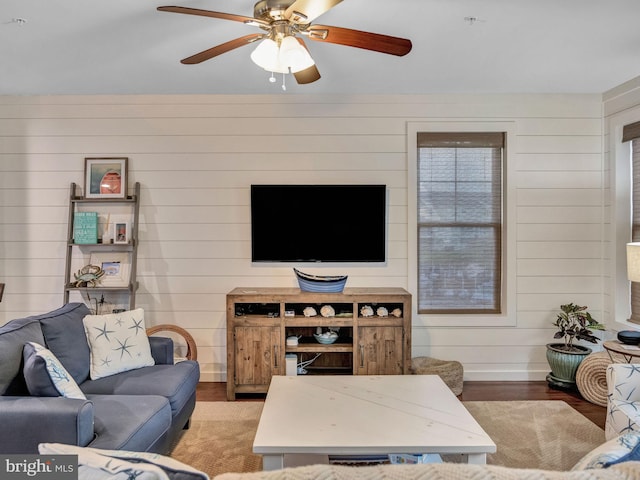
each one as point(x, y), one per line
point(508, 316)
point(620, 204)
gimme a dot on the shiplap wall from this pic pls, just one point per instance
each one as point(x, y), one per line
point(196, 156)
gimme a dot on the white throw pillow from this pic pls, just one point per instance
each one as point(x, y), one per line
point(98, 464)
point(118, 343)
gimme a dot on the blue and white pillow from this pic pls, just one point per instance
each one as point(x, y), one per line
point(45, 376)
point(118, 342)
point(99, 464)
point(624, 448)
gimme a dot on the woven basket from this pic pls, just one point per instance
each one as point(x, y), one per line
point(450, 371)
point(591, 378)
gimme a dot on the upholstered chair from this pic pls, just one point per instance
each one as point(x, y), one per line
point(623, 399)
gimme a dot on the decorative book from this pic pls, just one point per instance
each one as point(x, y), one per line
point(85, 227)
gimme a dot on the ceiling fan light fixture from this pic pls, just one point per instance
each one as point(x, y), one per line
point(294, 55)
point(266, 56)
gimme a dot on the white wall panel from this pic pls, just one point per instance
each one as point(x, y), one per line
point(556, 161)
point(196, 157)
point(562, 179)
point(559, 196)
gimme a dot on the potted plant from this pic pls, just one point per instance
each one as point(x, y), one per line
point(574, 323)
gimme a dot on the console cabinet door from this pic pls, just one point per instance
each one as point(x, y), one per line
point(380, 351)
point(257, 355)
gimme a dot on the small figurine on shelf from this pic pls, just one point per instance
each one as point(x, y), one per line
point(88, 276)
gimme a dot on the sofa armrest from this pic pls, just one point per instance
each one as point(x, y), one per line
point(161, 350)
point(34, 420)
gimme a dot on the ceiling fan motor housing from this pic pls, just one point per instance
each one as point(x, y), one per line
point(271, 9)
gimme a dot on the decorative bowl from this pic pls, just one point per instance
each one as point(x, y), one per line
point(320, 283)
point(629, 337)
point(326, 338)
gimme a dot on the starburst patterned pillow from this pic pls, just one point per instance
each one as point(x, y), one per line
point(45, 376)
point(118, 342)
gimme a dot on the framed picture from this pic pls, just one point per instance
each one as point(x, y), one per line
point(115, 266)
point(105, 177)
point(121, 232)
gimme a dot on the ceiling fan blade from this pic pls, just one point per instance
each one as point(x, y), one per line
point(304, 11)
point(356, 38)
point(308, 75)
point(207, 13)
point(222, 48)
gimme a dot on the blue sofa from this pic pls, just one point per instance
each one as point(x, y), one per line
point(140, 410)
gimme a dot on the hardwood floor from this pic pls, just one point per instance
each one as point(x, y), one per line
point(217, 392)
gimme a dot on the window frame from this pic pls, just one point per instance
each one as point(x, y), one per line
point(619, 203)
point(507, 316)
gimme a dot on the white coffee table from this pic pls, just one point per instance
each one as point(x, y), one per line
point(308, 418)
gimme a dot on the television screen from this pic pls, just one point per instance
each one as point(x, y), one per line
point(318, 223)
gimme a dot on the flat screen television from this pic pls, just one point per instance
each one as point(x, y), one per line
point(318, 223)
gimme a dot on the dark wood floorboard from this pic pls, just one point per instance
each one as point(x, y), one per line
point(217, 392)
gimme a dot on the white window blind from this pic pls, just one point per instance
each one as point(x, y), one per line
point(460, 222)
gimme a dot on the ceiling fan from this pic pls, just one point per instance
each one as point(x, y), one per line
point(282, 49)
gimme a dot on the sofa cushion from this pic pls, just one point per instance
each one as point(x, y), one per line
point(13, 336)
point(118, 342)
point(130, 422)
point(174, 382)
point(45, 376)
point(64, 336)
point(620, 449)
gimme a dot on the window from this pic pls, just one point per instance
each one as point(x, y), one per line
point(632, 133)
point(459, 224)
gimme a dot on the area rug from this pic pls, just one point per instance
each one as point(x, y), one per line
point(545, 434)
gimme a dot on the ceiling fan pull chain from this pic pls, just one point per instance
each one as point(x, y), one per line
point(272, 78)
point(284, 87)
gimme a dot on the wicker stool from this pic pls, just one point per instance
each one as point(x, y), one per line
point(192, 350)
point(591, 378)
point(450, 371)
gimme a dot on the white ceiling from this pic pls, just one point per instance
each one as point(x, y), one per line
point(128, 47)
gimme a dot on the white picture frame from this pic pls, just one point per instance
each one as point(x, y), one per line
point(116, 267)
point(121, 232)
point(106, 177)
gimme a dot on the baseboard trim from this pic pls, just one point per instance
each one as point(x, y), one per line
point(472, 376)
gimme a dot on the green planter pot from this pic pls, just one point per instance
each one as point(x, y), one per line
point(564, 364)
